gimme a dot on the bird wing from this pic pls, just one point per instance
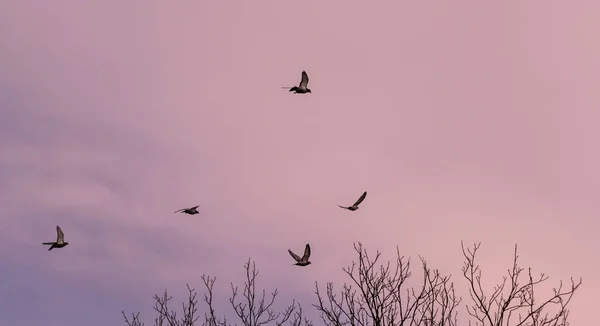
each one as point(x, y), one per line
point(306, 253)
point(343, 207)
point(48, 243)
point(194, 207)
point(360, 200)
point(60, 238)
point(180, 210)
point(296, 257)
point(304, 81)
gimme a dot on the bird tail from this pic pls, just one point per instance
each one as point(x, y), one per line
point(48, 243)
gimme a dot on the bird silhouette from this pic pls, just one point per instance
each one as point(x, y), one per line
point(304, 260)
point(191, 210)
point(303, 87)
point(60, 240)
point(355, 205)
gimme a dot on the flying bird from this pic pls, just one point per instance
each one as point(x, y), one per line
point(303, 87)
point(355, 205)
point(60, 240)
point(304, 260)
point(191, 210)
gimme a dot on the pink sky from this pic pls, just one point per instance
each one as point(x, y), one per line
point(464, 120)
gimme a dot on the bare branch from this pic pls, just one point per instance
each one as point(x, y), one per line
point(167, 317)
point(378, 295)
point(254, 310)
point(510, 299)
point(134, 321)
point(210, 318)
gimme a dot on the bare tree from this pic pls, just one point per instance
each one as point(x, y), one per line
point(252, 309)
point(379, 295)
point(515, 304)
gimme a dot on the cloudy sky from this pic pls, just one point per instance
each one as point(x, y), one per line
point(464, 120)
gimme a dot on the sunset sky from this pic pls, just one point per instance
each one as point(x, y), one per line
point(464, 120)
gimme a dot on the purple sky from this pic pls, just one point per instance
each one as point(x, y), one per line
point(464, 120)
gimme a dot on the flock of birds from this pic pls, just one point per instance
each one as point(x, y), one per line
point(302, 88)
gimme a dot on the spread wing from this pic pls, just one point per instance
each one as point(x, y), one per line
point(194, 207)
point(360, 200)
point(304, 81)
point(180, 210)
point(340, 206)
point(60, 236)
point(296, 257)
point(306, 252)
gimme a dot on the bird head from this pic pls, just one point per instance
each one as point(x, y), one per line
point(66, 243)
point(308, 90)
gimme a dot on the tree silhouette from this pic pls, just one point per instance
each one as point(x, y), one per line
point(252, 309)
point(515, 304)
point(380, 295)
